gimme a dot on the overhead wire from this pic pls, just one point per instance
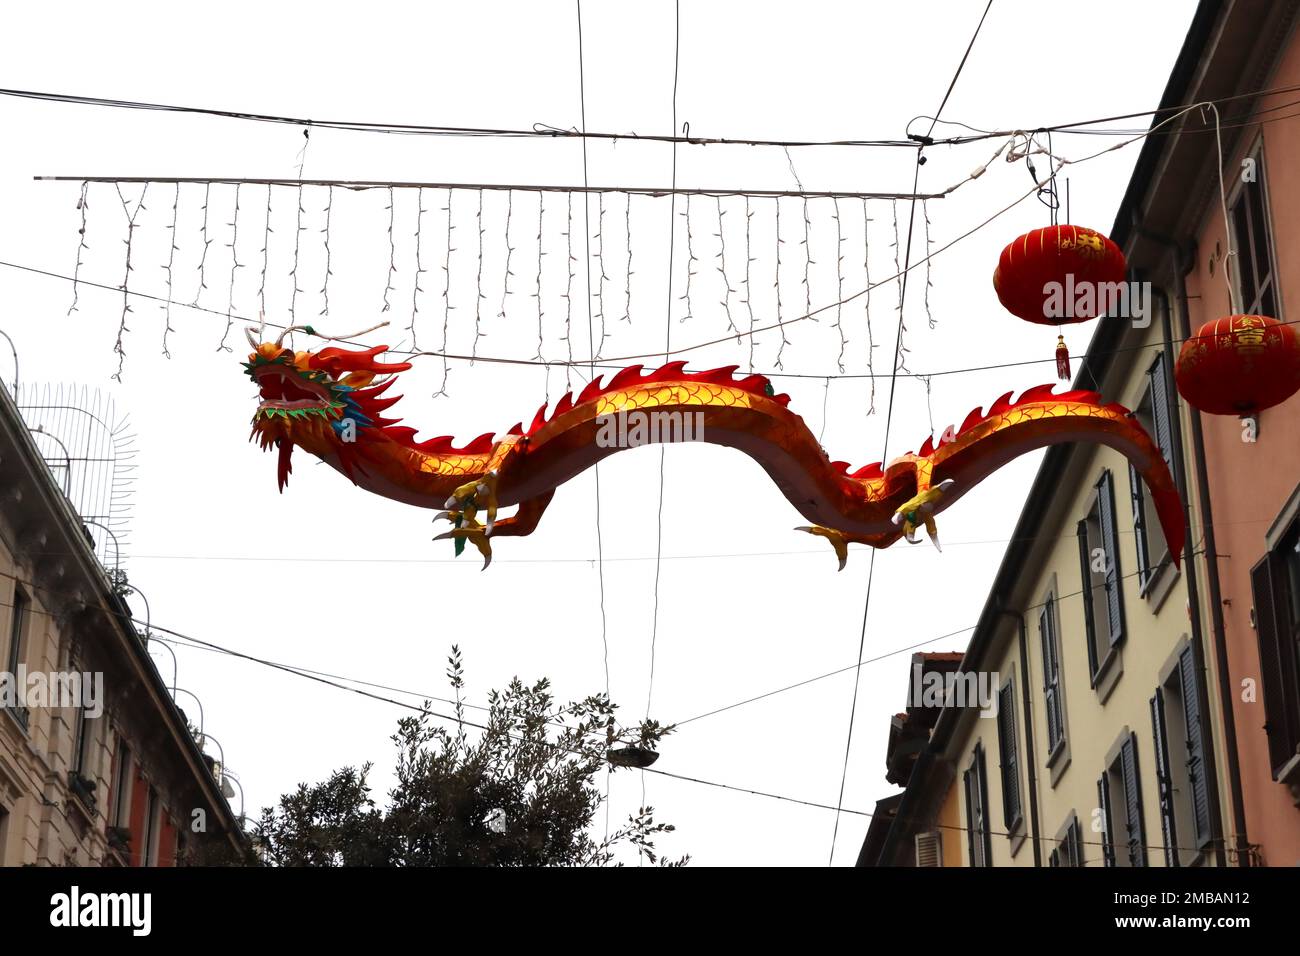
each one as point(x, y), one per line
point(539, 130)
point(1060, 163)
point(889, 414)
point(543, 131)
point(668, 341)
point(819, 376)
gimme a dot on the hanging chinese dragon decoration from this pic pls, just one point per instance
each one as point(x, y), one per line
point(331, 403)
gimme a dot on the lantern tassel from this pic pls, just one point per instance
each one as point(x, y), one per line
point(1062, 359)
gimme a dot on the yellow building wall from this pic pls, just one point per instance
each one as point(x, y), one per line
point(948, 822)
point(1154, 626)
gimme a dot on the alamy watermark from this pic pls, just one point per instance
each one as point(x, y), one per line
point(31, 690)
point(133, 911)
point(631, 429)
point(1087, 300)
point(960, 689)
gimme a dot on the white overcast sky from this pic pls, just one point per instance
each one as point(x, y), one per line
point(331, 578)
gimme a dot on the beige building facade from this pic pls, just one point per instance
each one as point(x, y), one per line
point(1118, 738)
point(97, 765)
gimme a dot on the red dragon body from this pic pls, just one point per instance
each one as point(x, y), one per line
point(329, 404)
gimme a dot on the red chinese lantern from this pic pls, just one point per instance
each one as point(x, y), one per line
point(1059, 275)
point(1239, 365)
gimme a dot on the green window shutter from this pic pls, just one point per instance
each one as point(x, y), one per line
point(1196, 771)
point(1110, 544)
point(1164, 780)
point(1137, 852)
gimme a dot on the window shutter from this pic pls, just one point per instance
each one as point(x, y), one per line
point(1137, 852)
point(1164, 435)
point(1076, 843)
point(1164, 781)
point(1140, 525)
point(971, 825)
point(982, 783)
point(1051, 689)
point(1053, 721)
point(1085, 571)
point(1197, 783)
point(1110, 544)
point(1279, 707)
point(929, 849)
point(1103, 801)
point(1049, 645)
point(1010, 765)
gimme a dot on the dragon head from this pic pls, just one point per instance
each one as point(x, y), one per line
point(328, 401)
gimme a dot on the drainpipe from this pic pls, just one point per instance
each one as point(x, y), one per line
point(1241, 844)
point(1028, 725)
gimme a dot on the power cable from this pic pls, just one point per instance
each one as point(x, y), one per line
point(819, 376)
point(889, 414)
point(539, 130)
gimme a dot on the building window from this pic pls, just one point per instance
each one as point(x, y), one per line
point(119, 814)
point(1164, 778)
point(1103, 599)
point(977, 817)
point(1068, 850)
point(1179, 704)
point(1052, 679)
point(85, 734)
point(4, 833)
point(152, 811)
point(1253, 242)
point(1153, 414)
point(1119, 792)
point(1009, 758)
point(1275, 582)
point(19, 616)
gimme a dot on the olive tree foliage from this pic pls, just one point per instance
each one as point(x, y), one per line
point(521, 788)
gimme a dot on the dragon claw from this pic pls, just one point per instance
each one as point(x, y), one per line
point(836, 538)
point(920, 510)
point(462, 510)
point(475, 534)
